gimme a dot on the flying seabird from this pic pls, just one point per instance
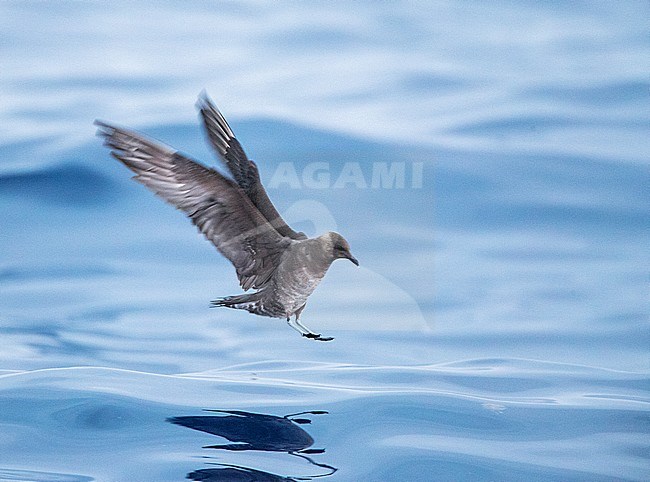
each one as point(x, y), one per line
point(282, 266)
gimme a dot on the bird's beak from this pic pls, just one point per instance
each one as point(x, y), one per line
point(353, 259)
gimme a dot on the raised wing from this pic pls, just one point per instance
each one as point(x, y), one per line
point(243, 170)
point(216, 205)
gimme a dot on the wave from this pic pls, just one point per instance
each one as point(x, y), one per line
point(509, 417)
point(68, 185)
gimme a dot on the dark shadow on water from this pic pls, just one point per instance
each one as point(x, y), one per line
point(254, 431)
point(233, 473)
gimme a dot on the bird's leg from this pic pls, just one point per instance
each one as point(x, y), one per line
point(295, 326)
point(306, 332)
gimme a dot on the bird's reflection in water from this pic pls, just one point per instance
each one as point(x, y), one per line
point(254, 431)
point(233, 473)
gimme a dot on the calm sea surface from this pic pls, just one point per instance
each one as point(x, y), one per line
point(498, 326)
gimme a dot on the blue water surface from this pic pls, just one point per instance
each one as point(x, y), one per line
point(498, 326)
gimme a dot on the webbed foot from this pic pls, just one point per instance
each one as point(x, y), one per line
point(317, 337)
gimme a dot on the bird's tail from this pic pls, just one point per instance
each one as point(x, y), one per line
point(249, 302)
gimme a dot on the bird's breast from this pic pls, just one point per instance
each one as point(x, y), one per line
point(295, 286)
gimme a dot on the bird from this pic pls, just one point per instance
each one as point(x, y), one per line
point(282, 267)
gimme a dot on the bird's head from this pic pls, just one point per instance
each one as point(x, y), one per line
point(340, 247)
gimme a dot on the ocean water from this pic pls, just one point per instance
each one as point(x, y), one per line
point(497, 328)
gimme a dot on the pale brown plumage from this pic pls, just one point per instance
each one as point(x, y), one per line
point(243, 170)
point(236, 216)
